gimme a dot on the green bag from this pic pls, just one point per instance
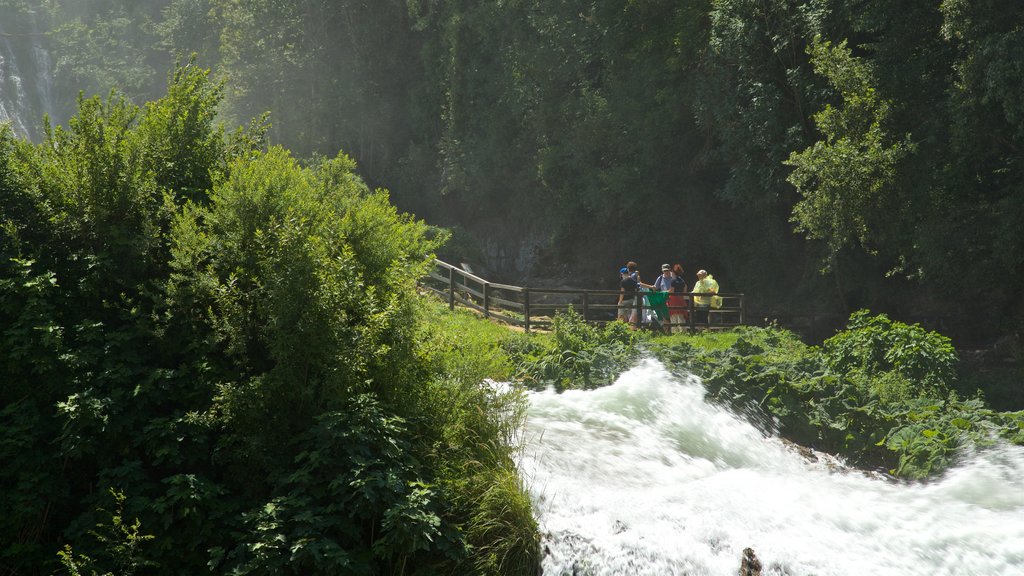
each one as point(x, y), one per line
point(659, 302)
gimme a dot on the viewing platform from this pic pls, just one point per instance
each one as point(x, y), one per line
point(531, 307)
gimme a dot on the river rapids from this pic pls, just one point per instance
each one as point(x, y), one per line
point(645, 477)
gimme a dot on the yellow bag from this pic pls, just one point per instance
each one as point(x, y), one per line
point(716, 301)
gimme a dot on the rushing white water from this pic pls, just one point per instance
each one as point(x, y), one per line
point(645, 477)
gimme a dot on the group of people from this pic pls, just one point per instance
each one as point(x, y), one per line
point(665, 301)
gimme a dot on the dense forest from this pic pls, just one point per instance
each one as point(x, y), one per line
point(817, 155)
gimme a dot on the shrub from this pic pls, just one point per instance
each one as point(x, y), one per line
point(579, 355)
point(876, 345)
point(235, 342)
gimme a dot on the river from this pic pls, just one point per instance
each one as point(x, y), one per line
point(645, 477)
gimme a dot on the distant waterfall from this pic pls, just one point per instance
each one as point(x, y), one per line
point(26, 74)
point(645, 477)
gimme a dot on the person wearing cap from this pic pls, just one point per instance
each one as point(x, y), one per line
point(706, 284)
point(664, 282)
point(659, 300)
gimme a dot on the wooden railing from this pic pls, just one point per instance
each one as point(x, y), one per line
point(535, 307)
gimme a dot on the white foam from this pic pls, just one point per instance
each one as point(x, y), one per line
point(644, 477)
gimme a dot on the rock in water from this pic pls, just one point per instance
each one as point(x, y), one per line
point(750, 566)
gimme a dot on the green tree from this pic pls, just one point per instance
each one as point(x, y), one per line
point(100, 45)
point(847, 179)
point(979, 202)
point(204, 327)
point(755, 99)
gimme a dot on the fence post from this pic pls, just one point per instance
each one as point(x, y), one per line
point(586, 306)
point(451, 288)
point(689, 308)
point(638, 306)
point(487, 307)
point(526, 308)
point(741, 309)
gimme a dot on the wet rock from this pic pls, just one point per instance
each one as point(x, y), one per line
point(750, 566)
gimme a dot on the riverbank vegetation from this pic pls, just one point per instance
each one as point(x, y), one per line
point(214, 359)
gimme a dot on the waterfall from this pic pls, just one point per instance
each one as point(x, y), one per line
point(645, 477)
point(26, 76)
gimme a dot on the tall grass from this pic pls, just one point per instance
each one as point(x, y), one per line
point(476, 431)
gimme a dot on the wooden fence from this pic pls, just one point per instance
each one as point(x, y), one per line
point(535, 307)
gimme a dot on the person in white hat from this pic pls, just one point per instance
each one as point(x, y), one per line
point(706, 284)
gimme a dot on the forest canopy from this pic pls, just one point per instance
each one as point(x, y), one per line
point(818, 155)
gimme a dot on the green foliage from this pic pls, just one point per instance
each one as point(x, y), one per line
point(929, 434)
point(502, 530)
point(185, 150)
point(236, 342)
point(121, 546)
point(875, 393)
point(306, 278)
point(354, 471)
point(475, 431)
point(760, 89)
point(895, 352)
point(847, 179)
point(458, 344)
point(102, 45)
point(579, 356)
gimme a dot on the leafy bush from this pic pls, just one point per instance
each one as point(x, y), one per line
point(121, 545)
point(579, 355)
point(876, 345)
point(234, 342)
point(352, 502)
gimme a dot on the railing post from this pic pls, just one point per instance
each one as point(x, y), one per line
point(638, 306)
point(451, 288)
point(586, 306)
point(487, 307)
point(526, 308)
point(689, 308)
point(741, 309)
